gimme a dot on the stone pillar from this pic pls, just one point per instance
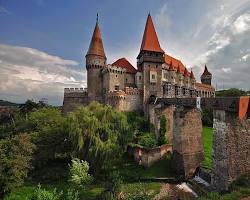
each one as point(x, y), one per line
point(231, 149)
point(187, 142)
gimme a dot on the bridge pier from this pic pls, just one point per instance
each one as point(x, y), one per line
point(231, 149)
point(187, 141)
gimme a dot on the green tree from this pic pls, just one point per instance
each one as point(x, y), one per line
point(232, 92)
point(79, 174)
point(100, 134)
point(15, 161)
point(162, 132)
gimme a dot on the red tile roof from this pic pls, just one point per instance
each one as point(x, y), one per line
point(175, 63)
point(124, 63)
point(150, 40)
point(192, 75)
point(96, 45)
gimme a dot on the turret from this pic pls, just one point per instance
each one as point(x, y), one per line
point(206, 77)
point(150, 60)
point(95, 62)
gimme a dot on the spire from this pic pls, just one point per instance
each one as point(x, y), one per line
point(96, 45)
point(150, 40)
point(206, 72)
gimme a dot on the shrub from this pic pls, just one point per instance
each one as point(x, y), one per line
point(42, 194)
point(147, 140)
point(79, 175)
point(139, 194)
point(15, 161)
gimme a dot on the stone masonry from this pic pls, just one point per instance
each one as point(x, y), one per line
point(231, 147)
point(187, 141)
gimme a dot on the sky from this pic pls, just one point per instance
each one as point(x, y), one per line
point(43, 42)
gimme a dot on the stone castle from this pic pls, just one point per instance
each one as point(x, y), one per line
point(127, 88)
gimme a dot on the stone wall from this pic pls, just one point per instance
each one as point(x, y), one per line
point(74, 97)
point(231, 147)
point(187, 141)
point(147, 157)
point(128, 100)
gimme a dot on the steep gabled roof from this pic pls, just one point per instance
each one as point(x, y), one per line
point(124, 63)
point(175, 64)
point(150, 40)
point(206, 72)
point(192, 75)
point(96, 45)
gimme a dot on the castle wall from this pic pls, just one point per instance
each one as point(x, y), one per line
point(129, 79)
point(74, 97)
point(230, 149)
point(112, 77)
point(128, 100)
point(187, 141)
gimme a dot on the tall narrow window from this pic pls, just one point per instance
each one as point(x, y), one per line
point(117, 87)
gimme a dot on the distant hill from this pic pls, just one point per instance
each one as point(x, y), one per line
point(7, 103)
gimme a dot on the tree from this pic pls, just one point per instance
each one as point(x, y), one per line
point(162, 132)
point(79, 173)
point(99, 134)
point(15, 161)
point(232, 92)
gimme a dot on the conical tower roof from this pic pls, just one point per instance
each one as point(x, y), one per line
point(96, 45)
point(206, 72)
point(150, 40)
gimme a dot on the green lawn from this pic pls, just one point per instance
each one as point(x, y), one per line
point(207, 136)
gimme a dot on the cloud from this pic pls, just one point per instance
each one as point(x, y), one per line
point(162, 18)
point(30, 73)
point(242, 23)
point(4, 10)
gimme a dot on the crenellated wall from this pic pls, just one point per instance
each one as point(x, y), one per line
point(74, 97)
point(129, 99)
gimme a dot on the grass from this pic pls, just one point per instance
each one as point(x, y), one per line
point(132, 172)
point(133, 187)
point(207, 136)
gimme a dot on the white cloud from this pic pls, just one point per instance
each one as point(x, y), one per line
point(245, 57)
point(162, 19)
point(242, 23)
point(4, 10)
point(226, 70)
point(30, 73)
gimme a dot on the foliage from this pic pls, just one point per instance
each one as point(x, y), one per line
point(15, 161)
point(232, 92)
point(207, 117)
point(42, 194)
point(162, 133)
point(100, 135)
point(79, 175)
point(147, 140)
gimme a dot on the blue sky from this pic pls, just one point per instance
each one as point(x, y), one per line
point(43, 42)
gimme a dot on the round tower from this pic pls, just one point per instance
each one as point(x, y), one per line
point(95, 62)
point(206, 77)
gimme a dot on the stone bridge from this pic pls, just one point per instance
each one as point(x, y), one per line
point(231, 138)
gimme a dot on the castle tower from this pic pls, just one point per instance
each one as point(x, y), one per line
point(206, 77)
point(95, 62)
point(150, 60)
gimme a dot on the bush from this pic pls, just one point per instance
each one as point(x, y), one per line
point(139, 194)
point(147, 140)
point(79, 173)
point(15, 161)
point(207, 117)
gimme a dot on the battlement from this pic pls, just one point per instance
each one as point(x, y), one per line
point(113, 69)
point(132, 91)
point(75, 90)
point(116, 94)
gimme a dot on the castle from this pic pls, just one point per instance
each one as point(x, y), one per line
point(127, 88)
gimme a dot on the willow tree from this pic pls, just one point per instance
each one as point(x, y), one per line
point(100, 134)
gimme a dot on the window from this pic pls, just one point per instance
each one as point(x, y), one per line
point(116, 87)
point(126, 80)
point(165, 75)
point(153, 76)
point(139, 77)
